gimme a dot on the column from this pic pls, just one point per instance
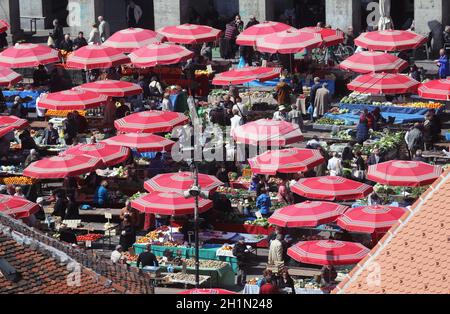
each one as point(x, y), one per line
point(343, 13)
point(432, 16)
point(170, 12)
point(10, 12)
point(263, 10)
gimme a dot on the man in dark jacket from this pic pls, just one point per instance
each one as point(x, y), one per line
point(312, 97)
point(67, 44)
point(147, 258)
point(80, 41)
point(51, 135)
point(375, 158)
point(57, 34)
point(241, 252)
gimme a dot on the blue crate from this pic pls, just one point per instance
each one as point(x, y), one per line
point(447, 136)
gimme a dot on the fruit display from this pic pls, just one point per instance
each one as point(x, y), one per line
point(202, 73)
point(62, 113)
point(227, 248)
point(275, 181)
point(136, 196)
point(364, 99)
point(130, 257)
point(329, 121)
point(184, 278)
point(336, 111)
point(120, 173)
point(142, 161)
point(9, 169)
point(92, 237)
point(261, 222)
point(17, 181)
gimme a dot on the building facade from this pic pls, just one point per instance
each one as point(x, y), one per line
point(76, 15)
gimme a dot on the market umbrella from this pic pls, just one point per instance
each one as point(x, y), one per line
point(307, 214)
point(17, 207)
point(370, 219)
point(5, 130)
point(13, 122)
point(207, 291)
point(290, 160)
point(159, 54)
point(73, 99)
point(141, 142)
point(331, 188)
point(288, 42)
point(62, 166)
point(383, 83)
point(436, 89)
point(180, 182)
point(130, 39)
point(9, 77)
point(328, 252)
point(390, 40)
point(4, 26)
point(330, 37)
point(169, 204)
point(110, 155)
point(190, 34)
point(96, 57)
point(404, 173)
point(373, 61)
point(249, 36)
point(245, 75)
point(267, 132)
point(151, 121)
point(113, 88)
point(28, 56)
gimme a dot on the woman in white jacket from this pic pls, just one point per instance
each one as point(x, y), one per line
point(94, 36)
point(134, 14)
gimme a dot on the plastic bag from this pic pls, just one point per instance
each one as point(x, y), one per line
point(241, 63)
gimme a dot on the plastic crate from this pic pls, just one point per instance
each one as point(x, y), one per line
point(447, 136)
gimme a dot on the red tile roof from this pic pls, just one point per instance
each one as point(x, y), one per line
point(43, 274)
point(414, 256)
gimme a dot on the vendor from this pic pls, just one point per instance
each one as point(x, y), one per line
point(263, 203)
point(60, 207)
point(41, 77)
point(80, 122)
point(242, 255)
point(362, 131)
point(26, 141)
point(101, 197)
point(32, 157)
point(328, 275)
point(127, 234)
point(147, 258)
point(51, 136)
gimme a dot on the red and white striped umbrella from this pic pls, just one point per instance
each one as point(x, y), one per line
point(141, 142)
point(370, 219)
point(288, 42)
point(307, 214)
point(169, 204)
point(96, 57)
point(130, 39)
point(267, 132)
point(330, 37)
point(383, 83)
point(208, 291)
point(110, 155)
point(180, 182)
point(289, 160)
point(73, 99)
point(249, 36)
point(17, 207)
point(331, 188)
point(373, 61)
point(62, 166)
point(159, 54)
point(328, 252)
point(4, 26)
point(9, 77)
point(13, 122)
point(28, 56)
point(190, 34)
point(404, 173)
point(113, 88)
point(390, 40)
point(5, 130)
point(246, 75)
point(151, 121)
point(436, 89)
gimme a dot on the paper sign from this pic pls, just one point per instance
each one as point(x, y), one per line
point(108, 215)
point(88, 244)
point(264, 63)
point(209, 68)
